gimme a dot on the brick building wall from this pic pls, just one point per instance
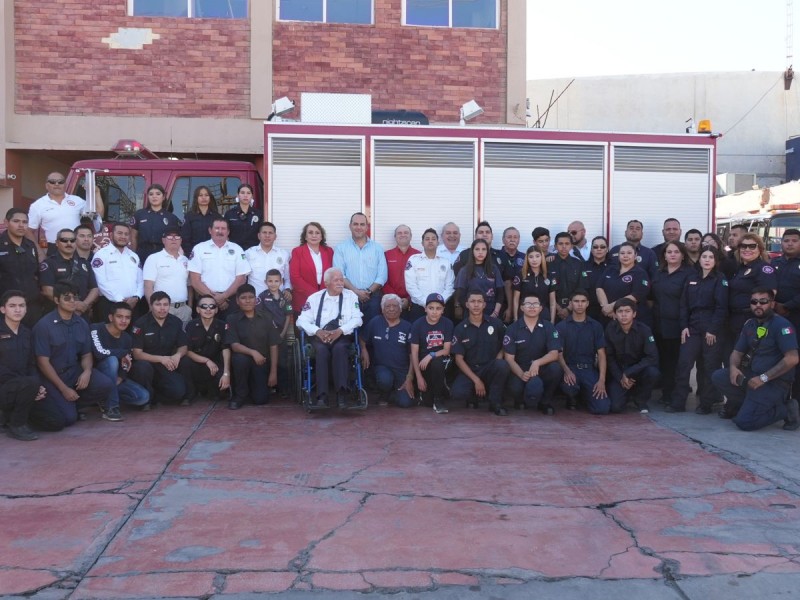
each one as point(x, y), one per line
point(431, 69)
point(197, 67)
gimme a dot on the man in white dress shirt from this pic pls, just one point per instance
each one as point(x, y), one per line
point(451, 246)
point(117, 271)
point(268, 256)
point(330, 317)
point(168, 271)
point(427, 273)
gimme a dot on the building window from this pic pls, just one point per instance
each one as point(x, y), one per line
point(326, 11)
point(451, 13)
point(201, 9)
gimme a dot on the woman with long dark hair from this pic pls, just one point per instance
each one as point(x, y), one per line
point(198, 219)
point(532, 280)
point(149, 223)
point(628, 280)
point(482, 275)
point(593, 270)
point(244, 220)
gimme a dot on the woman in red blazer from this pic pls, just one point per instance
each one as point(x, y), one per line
point(309, 262)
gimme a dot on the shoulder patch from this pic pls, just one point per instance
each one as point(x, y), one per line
point(651, 339)
point(555, 335)
point(306, 306)
point(408, 266)
point(506, 340)
point(191, 255)
point(787, 331)
point(725, 282)
point(645, 283)
point(767, 269)
point(97, 263)
point(136, 331)
point(43, 266)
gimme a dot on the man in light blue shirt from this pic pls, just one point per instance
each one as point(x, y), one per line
point(364, 266)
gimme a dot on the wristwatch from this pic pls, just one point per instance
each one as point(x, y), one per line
point(763, 377)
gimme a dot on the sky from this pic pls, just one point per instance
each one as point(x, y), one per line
point(571, 38)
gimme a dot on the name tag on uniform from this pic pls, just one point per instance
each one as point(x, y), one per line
point(692, 283)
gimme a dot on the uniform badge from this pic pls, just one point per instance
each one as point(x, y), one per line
point(627, 278)
point(133, 259)
point(408, 266)
point(43, 266)
point(216, 337)
point(96, 263)
point(725, 282)
point(515, 281)
point(645, 283)
point(132, 221)
point(651, 339)
point(166, 221)
point(555, 335)
point(767, 269)
point(279, 260)
point(136, 331)
point(547, 281)
point(506, 340)
point(85, 268)
point(747, 272)
point(254, 220)
point(638, 259)
point(306, 306)
point(490, 330)
point(231, 251)
point(443, 268)
point(71, 202)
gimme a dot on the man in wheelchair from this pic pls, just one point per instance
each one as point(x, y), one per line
point(329, 317)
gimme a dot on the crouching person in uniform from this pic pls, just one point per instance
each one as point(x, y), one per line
point(531, 346)
point(208, 351)
point(330, 317)
point(64, 356)
point(632, 358)
point(431, 340)
point(759, 380)
point(159, 352)
point(254, 340)
point(19, 382)
point(478, 349)
point(582, 340)
point(112, 346)
point(384, 352)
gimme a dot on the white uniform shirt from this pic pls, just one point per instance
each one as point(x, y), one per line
point(451, 257)
point(52, 217)
point(168, 274)
point(351, 314)
point(118, 274)
point(261, 262)
point(428, 276)
point(218, 266)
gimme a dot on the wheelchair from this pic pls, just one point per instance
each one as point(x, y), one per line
point(303, 371)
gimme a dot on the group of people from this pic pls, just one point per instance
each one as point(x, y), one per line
point(168, 311)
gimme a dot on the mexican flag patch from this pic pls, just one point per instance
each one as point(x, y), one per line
point(786, 331)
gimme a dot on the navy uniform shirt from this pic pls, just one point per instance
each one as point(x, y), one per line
point(256, 332)
point(745, 280)
point(150, 225)
point(565, 277)
point(617, 285)
point(591, 277)
point(431, 338)
point(491, 287)
point(538, 286)
point(16, 353)
point(667, 291)
point(580, 340)
point(244, 226)
point(388, 346)
point(777, 337)
point(207, 342)
point(704, 303)
point(645, 258)
point(277, 308)
point(64, 342)
point(512, 265)
point(159, 340)
point(632, 352)
point(75, 270)
point(527, 345)
point(195, 229)
point(479, 345)
point(788, 275)
point(19, 267)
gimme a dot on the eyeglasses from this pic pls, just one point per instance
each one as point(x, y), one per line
point(207, 306)
point(67, 240)
point(761, 301)
point(56, 181)
point(172, 237)
point(748, 246)
point(599, 247)
point(531, 304)
point(69, 297)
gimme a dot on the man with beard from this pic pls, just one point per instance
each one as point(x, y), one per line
point(762, 364)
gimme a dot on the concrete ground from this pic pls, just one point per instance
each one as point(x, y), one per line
point(203, 502)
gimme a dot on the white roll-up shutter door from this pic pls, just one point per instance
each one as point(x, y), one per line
point(315, 179)
point(422, 183)
point(528, 185)
point(652, 184)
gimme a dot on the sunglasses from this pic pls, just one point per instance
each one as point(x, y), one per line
point(748, 246)
point(599, 247)
point(761, 301)
point(207, 306)
point(67, 240)
point(56, 181)
point(69, 297)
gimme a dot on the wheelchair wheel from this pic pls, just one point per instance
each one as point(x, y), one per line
point(296, 371)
